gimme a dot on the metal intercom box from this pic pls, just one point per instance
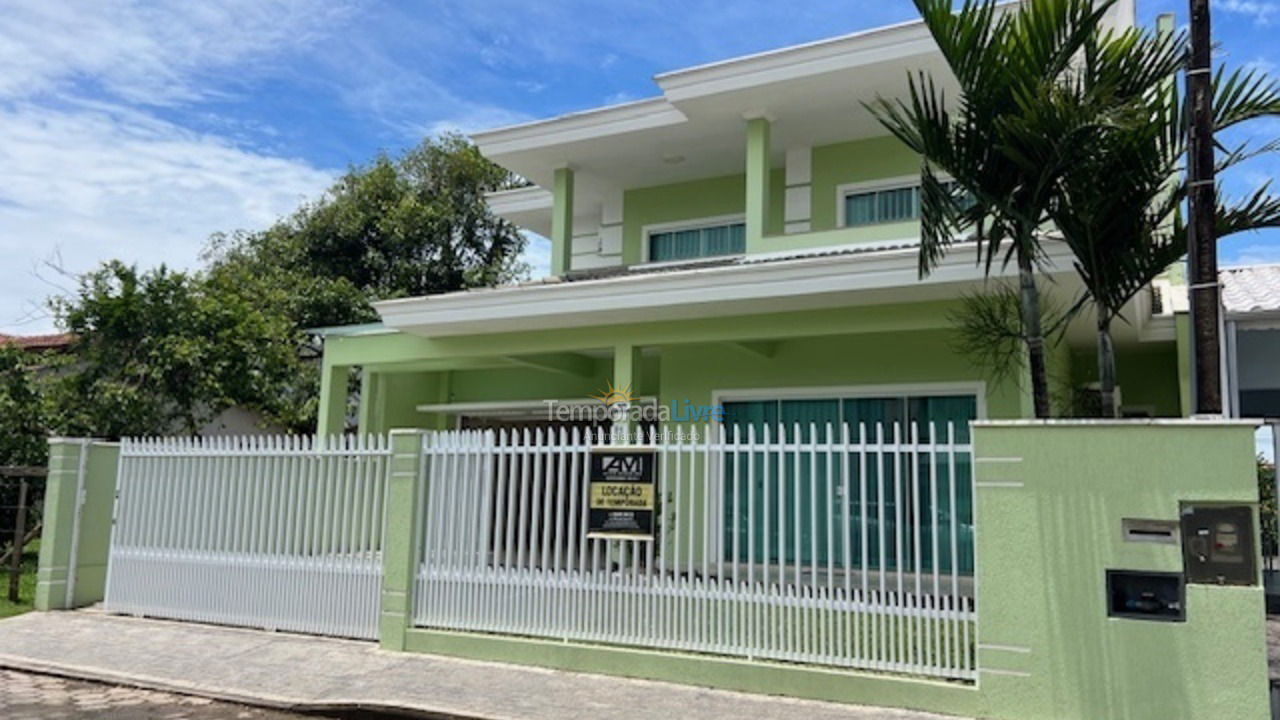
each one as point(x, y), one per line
point(1218, 544)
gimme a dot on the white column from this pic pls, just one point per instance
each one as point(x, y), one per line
point(611, 227)
point(799, 177)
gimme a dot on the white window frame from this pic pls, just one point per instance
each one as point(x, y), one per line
point(865, 186)
point(676, 226)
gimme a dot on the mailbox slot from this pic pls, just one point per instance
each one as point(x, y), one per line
point(1139, 595)
point(1164, 532)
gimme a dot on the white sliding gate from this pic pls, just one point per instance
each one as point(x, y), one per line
point(274, 532)
point(840, 546)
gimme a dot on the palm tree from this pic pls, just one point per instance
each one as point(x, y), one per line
point(1006, 60)
point(1118, 207)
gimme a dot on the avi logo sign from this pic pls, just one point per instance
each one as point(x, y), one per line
point(621, 497)
point(620, 465)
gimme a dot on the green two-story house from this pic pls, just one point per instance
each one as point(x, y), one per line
point(743, 244)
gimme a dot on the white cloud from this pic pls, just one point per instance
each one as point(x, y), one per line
point(100, 181)
point(1255, 253)
point(1261, 11)
point(153, 53)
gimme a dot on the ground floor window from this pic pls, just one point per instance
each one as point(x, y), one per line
point(798, 502)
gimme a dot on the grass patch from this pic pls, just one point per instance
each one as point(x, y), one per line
point(26, 583)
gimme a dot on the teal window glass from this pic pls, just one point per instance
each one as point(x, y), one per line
point(884, 206)
point(785, 482)
point(694, 243)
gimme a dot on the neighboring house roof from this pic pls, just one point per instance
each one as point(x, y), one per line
point(55, 341)
point(1251, 289)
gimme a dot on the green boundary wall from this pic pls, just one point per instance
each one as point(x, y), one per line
point(1049, 500)
point(78, 503)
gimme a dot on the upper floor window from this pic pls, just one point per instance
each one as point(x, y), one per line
point(700, 241)
point(876, 206)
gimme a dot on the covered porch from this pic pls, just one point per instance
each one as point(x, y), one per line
point(686, 339)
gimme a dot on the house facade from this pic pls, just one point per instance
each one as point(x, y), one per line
point(743, 243)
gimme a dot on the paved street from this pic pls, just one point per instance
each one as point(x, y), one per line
point(26, 696)
point(297, 672)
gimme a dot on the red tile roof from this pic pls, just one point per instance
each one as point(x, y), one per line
point(54, 341)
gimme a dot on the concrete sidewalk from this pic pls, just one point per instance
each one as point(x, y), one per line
point(298, 672)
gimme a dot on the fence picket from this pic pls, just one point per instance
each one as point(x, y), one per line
point(274, 532)
point(820, 580)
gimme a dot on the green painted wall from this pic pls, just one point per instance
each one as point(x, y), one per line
point(1147, 375)
point(692, 200)
point(1050, 499)
point(693, 372)
point(833, 165)
point(859, 161)
point(89, 530)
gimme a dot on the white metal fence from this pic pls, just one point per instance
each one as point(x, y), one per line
point(275, 532)
point(842, 546)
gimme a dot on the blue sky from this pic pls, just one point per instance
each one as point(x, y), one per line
point(136, 129)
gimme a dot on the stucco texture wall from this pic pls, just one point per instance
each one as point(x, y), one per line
point(1050, 500)
point(693, 373)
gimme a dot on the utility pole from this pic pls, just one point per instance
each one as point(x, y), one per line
point(1202, 245)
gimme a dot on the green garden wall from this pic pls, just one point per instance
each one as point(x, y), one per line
point(73, 546)
point(1050, 499)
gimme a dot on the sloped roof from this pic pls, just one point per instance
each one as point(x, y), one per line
point(38, 342)
point(1251, 288)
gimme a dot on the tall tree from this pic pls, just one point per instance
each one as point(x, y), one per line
point(23, 417)
point(1118, 207)
point(414, 224)
point(1003, 59)
point(156, 353)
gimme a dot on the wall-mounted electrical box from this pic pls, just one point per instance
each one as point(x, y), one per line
point(1141, 595)
point(1218, 544)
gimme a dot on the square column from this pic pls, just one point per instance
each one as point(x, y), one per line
point(403, 527)
point(758, 150)
point(331, 417)
point(562, 221)
point(626, 377)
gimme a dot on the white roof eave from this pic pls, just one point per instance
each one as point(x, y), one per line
point(702, 292)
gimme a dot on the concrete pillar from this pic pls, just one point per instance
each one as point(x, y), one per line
point(331, 418)
point(627, 368)
point(373, 391)
point(399, 550)
point(562, 221)
point(78, 504)
point(758, 151)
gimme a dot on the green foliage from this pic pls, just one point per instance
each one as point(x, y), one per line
point(991, 142)
point(990, 332)
point(413, 225)
point(1267, 508)
point(160, 351)
point(23, 414)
